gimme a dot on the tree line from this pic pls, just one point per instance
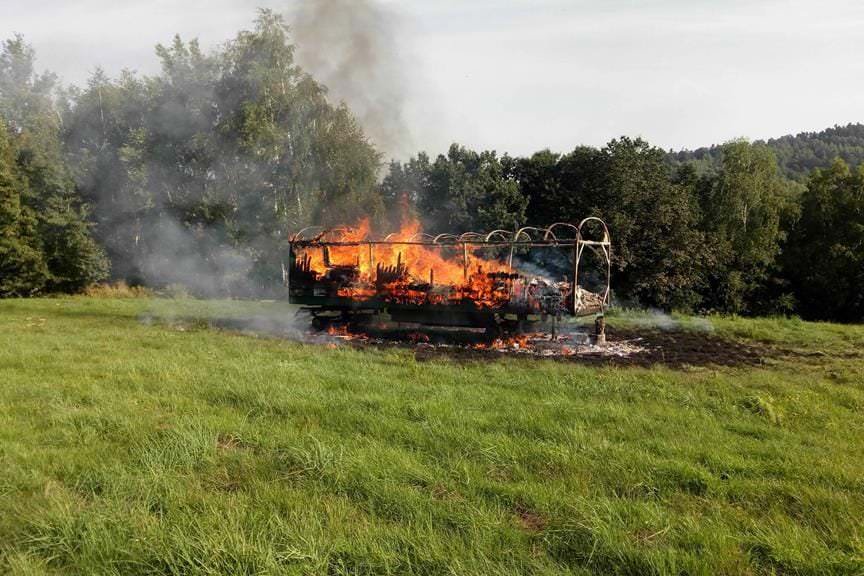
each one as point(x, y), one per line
point(797, 156)
point(197, 175)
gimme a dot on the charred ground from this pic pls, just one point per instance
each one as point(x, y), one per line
point(628, 343)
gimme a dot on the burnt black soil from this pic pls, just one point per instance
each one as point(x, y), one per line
point(678, 348)
point(672, 348)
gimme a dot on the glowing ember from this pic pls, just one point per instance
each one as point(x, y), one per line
point(338, 330)
point(534, 344)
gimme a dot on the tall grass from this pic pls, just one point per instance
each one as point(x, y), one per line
point(132, 447)
point(117, 290)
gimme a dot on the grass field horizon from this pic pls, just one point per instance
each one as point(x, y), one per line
point(134, 444)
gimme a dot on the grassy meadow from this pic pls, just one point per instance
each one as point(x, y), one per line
point(134, 444)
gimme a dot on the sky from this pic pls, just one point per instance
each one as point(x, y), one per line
point(518, 76)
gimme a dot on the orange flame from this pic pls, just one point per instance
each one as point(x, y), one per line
point(408, 273)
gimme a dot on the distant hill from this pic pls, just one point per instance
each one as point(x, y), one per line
point(796, 155)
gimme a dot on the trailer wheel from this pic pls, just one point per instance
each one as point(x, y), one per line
point(318, 323)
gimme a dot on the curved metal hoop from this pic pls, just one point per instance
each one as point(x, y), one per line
point(299, 235)
point(562, 224)
point(585, 236)
point(606, 239)
point(603, 248)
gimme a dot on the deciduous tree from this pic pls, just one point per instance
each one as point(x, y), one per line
point(825, 258)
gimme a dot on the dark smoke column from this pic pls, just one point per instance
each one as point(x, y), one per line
point(350, 46)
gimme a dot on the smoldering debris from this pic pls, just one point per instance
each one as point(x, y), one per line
point(680, 347)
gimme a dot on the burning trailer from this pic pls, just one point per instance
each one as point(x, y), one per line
point(477, 281)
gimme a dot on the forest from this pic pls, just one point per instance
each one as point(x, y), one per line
point(197, 175)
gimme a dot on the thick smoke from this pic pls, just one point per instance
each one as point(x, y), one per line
point(350, 46)
point(177, 255)
point(657, 319)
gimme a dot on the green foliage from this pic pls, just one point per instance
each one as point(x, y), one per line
point(163, 448)
point(682, 239)
point(797, 156)
point(26, 97)
point(659, 252)
point(195, 177)
point(825, 260)
point(22, 266)
point(464, 190)
point(215, 160)
point(557, 185)
point(55, 250)
point(403, 186)
point(742, 209)
point(467, 190)
point(73, 257)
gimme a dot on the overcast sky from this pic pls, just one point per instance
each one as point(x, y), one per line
point(518, 76)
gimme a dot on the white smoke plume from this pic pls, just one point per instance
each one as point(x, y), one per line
point(350, 46)
point(206, 268)
point(652, 318)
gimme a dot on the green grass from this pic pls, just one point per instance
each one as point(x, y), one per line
point(140, 447)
